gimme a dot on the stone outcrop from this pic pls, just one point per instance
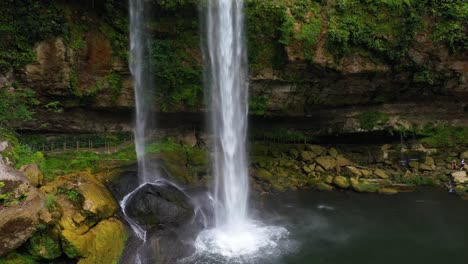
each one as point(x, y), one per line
point(20, 217)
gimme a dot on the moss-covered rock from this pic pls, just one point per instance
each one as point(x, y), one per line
point(101, 244)
point(381, 174)
point(307, 155)
point(341, 182)
point(263, 175)
point(45, 245)
point(327, 162)
point(333, 152)
point(318, 150)
point(387, 191)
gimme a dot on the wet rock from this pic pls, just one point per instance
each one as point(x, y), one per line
point(363, 186)
point(425, 167)
point(459, 177)
point(160, 206)
point(327, 162)
point(380, 173)
point(263, 175)
point(341, 182)
point(33, 174)
point(324, 186)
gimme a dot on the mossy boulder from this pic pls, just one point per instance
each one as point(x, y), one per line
point(327, 162)
point(414, 164)
point(294, 153)
point(425, 167)
point(263, 175)
point(429, 161)
point(381, 174)
point(341, 161)
point(341, 182)
point(363, 186)
point(324, 186)
point(103, 243)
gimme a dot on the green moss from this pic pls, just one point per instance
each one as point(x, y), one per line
point(44, 245)
point(451, 21)
point(50, 202)
point(70, 250)
point(74, 196)
point(16, 258)
point(258, 105)
point(443, 135)
point(15, 106)
point(368, 120)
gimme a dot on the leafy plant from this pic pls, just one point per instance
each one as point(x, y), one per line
point(370, 119)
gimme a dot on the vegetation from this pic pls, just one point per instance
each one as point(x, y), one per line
point(443, 136)
point(368, 120)
point(15, 106)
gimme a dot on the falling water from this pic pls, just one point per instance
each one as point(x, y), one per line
point(139, 51)
point(235, 234)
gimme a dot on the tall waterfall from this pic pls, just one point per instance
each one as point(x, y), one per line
point(143, 81)
point(229, 91)
point(235, 235)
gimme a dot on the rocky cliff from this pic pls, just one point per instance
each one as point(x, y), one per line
point(325, 63)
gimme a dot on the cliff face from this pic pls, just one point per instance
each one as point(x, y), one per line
point(330, 62)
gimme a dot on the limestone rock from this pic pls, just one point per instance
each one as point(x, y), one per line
point(327, 162)
point(353, 171)
point(459, 177)
point(341, 182)
point(3, 145)
point(33, 174)
point(333, 152)
point(342, 161)
point(429, 161)
point(318, 150)
point(425, 167)
point(365, 173)
point(19, 221)
point(307, 155)
point(380, 173)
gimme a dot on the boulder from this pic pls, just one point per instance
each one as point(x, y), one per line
point(341, 161)
point(263, 175)
point(188, 139)
point(33, 174)
point(464, 155)
point(414, 164)
point(341, 182)
point(159, 205)
point(459, 177)
point(20, 219)
point(294, 153)
point(353, 171)
point(425, 167)
point(103, 243)
point(307, 169)
point(3, 145)
point(380, 173)
point(318, 150)
point(365, 173)
point(307, 155)
point(333, 152)
point(327, 162)
point(363, 186)
point(429, 161)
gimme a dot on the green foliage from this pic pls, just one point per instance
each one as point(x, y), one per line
point(57, 164)
point(383, 28)
point(112, 81)
point(2, 184)
point(451, 22)
point(177, 72)
point(54, 106)
point(264, 20)
point(39, 20)
point(23, 155)
point(443, 135)
point(9, 198)
point(70, 250)
point(370, 119)
point(15, 106)
point(416, 180)
point(258, 105)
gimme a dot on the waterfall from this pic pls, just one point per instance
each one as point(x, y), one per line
point(235, 234)
point(143, 82)
point(228, 104)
